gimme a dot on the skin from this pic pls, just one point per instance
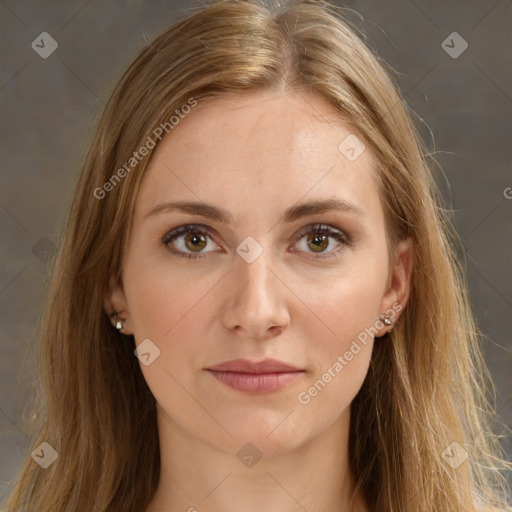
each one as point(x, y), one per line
point(256, 155)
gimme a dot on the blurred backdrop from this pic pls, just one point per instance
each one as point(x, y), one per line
point(60, 60)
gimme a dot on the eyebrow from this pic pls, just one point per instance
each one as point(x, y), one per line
point(291, 214)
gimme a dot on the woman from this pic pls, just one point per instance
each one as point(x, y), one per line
point(256, 303)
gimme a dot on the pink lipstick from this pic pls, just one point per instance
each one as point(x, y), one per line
point(256, 377)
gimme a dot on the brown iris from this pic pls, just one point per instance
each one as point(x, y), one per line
point(317, 240)
point(195, 241)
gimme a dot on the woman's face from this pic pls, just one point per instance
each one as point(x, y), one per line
point(248, 281)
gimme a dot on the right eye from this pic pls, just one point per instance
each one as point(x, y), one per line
point(193, 236)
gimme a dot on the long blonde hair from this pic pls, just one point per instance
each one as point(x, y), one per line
point(427, 387)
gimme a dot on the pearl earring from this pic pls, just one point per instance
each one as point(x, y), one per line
point(386, 320)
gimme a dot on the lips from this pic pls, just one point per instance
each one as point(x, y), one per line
point(256, 377)
point(246, 366)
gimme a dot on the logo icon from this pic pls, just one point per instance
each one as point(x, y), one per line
point(351, 147)
point(454, 455)
point(249, 249)
point(43, 249)
point(44, 45)
point(147, 352)
point(249, 454)
point(454, 45)
point(45, 455)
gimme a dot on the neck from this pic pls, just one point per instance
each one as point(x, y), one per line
point(198, 476)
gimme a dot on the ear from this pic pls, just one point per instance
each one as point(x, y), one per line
point(399, 283)
point(114, 301)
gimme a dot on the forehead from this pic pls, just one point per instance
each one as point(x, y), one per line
point(259, 150)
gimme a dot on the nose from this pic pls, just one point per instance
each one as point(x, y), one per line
point(256, 307)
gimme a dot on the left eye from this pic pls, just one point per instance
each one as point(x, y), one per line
point(194, 238)
point(318, 238)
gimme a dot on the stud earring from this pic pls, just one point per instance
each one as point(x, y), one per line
point(386, 321)
point(118, 323)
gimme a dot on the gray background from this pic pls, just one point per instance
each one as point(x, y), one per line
point(50, 108)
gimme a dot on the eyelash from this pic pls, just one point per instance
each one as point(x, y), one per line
point(344, 239)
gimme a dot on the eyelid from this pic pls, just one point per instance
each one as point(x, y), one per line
point(324, 228)
point(185, 228)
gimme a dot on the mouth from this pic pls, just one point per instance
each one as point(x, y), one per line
point(257, 382)
point(256, 377)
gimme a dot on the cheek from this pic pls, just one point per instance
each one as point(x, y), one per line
point(159, 295)
point(341, 336)
point(341, 363)
point(171, 308)
point(342, 307)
